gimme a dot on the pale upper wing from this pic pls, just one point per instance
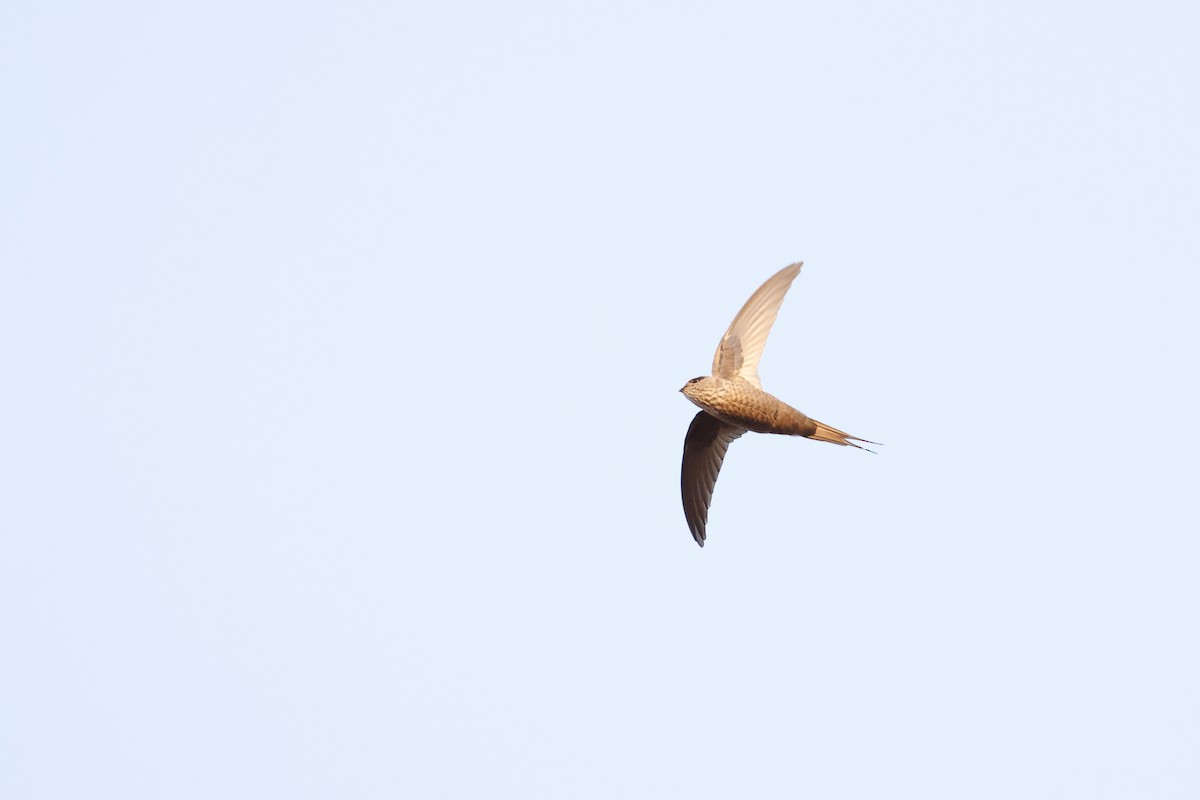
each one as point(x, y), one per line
point(742, 345)
point(703, 451)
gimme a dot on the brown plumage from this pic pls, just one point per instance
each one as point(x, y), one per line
point(733, 402)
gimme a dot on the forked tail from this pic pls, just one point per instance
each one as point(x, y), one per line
point(824, 433)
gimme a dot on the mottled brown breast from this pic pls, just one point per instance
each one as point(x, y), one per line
point(739, 403)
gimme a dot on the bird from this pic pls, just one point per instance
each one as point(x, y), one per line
point(732, 402)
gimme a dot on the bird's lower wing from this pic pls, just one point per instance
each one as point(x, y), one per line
point(703, 451)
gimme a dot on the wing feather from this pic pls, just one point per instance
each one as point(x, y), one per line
point(703, 451)
point(742, 345)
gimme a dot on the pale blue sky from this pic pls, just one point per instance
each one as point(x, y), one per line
point(341, 437)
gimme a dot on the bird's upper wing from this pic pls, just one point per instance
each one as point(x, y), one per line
point(742, 345)
point(703, 451)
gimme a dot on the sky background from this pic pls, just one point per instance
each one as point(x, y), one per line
point(340, 437)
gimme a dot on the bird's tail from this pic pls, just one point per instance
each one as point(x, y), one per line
point(825, 433)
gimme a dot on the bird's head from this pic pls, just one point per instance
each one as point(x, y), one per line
point(691, 388)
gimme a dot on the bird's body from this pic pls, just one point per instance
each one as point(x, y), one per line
point(739, 403)
point(733, 402)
